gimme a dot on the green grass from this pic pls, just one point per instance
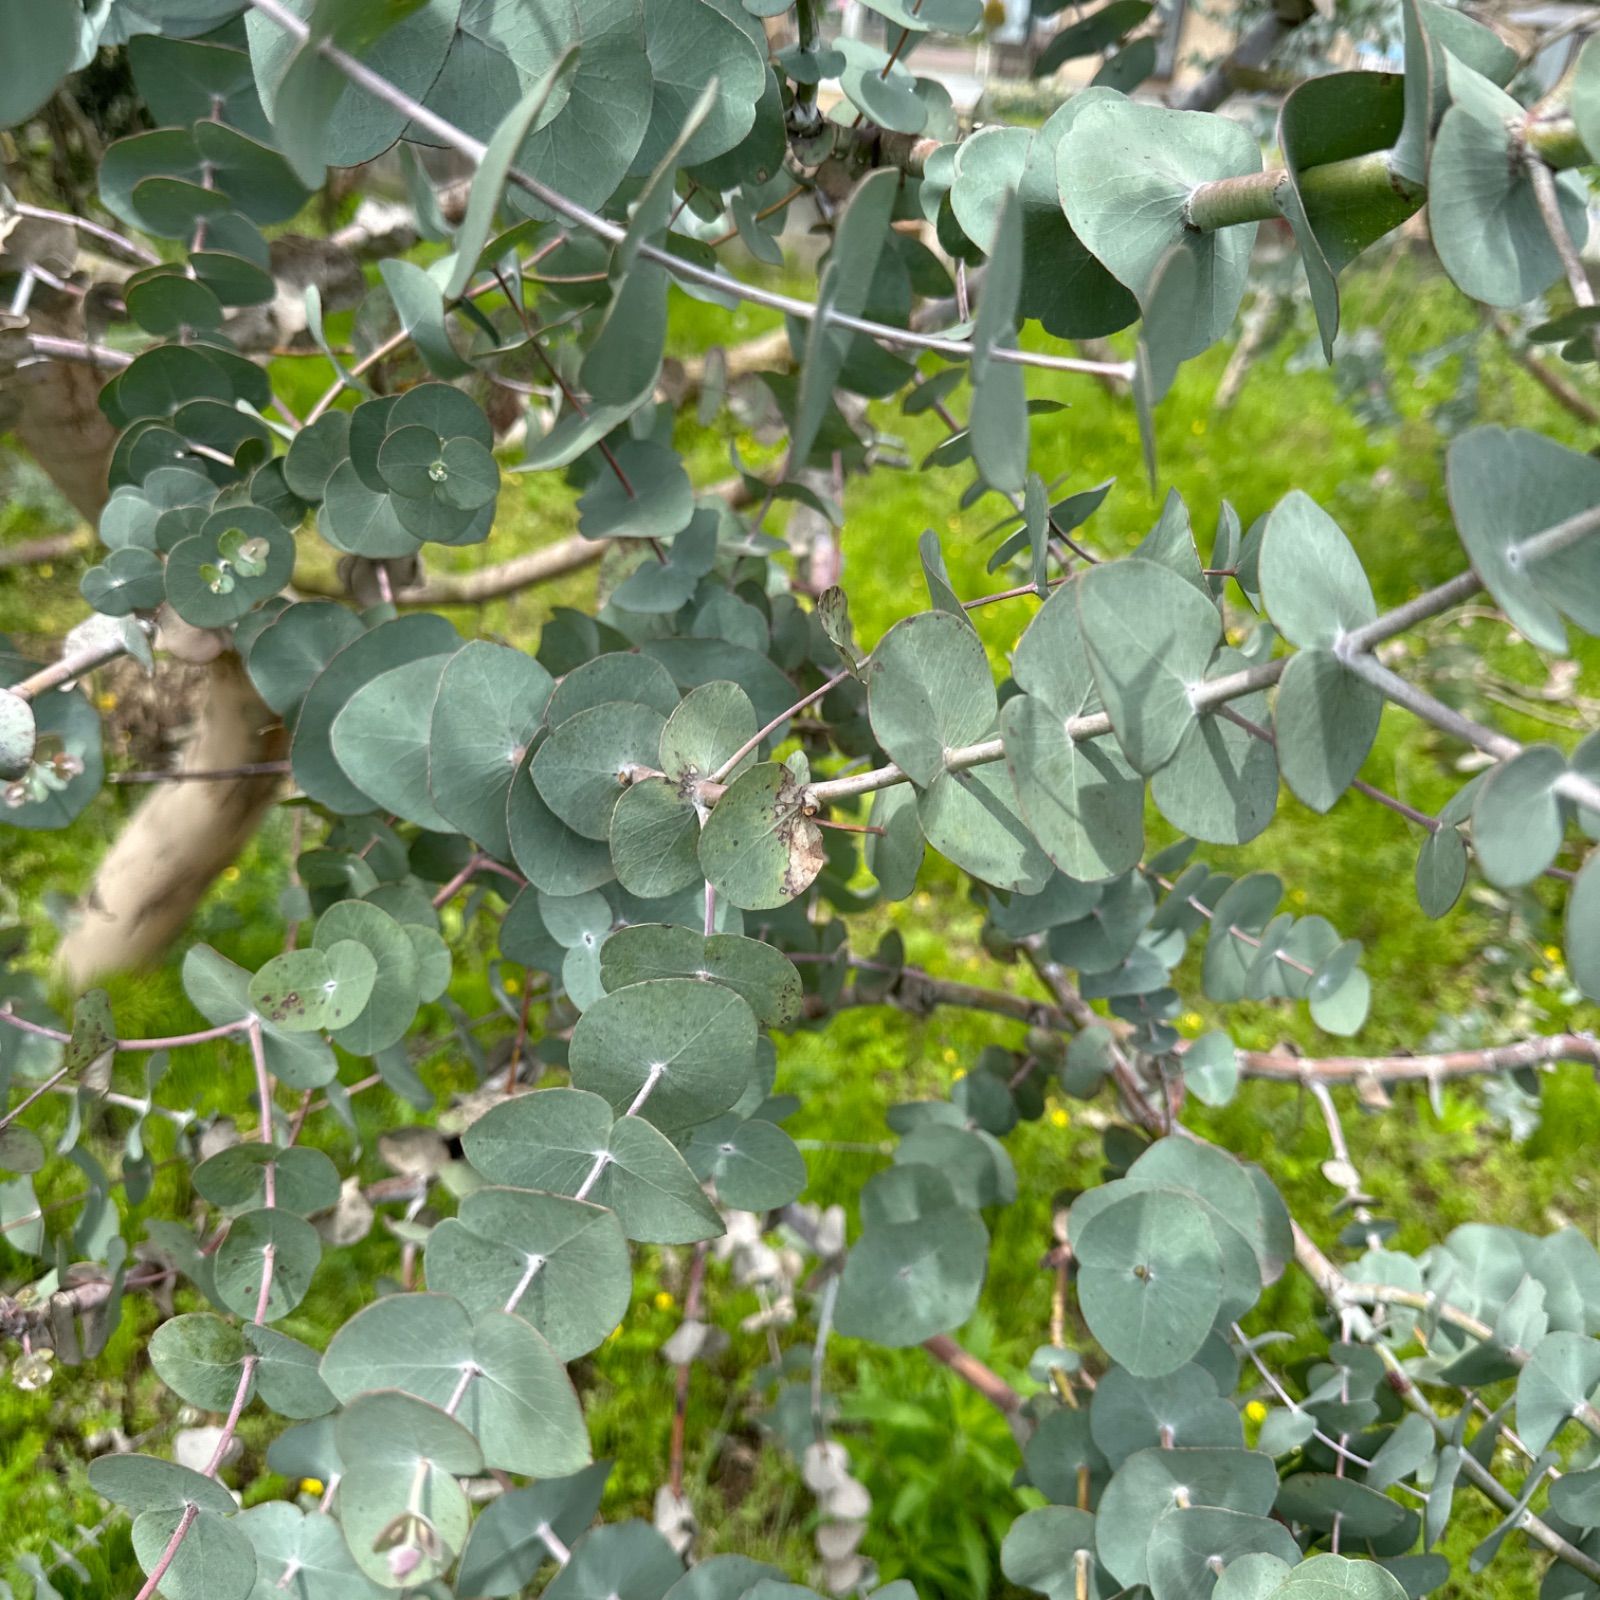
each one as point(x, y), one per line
point(937, 1460)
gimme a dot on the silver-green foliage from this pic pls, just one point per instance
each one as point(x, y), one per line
point(654, 775)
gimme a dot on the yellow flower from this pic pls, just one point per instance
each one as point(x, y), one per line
point(958, 1074)
point(312, 1486)
point(106, 702)
point(1059, 1117)
point(513, 984)
point(664, 1301)
point(1192, 1021)
point(1298, 896)
point(949, 1056)
point(46, 569)
point(1552, 954)
point(1539, 975)
point(230, 874)
point(1256, 1411)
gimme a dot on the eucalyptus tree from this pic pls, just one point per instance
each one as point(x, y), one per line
point(638, 814)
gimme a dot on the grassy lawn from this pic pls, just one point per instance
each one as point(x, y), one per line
point(937, 1460)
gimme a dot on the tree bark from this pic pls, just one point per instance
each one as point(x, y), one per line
point(179, 839)
point(183, 835)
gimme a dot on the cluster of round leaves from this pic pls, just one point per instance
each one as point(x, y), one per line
point(1152, 1476)
point(612, 772)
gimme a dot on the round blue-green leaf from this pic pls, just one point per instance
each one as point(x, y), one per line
point(551, 1140)
point(1483, 211)
point(1330, 1577)
point(220, 992)
point(449, 412)
point(930, 691)
point(1344, 1011)
point(33, 72)
point(1323, 1501)
point(616, 675)
point(506, 1549)
point(239, 558)
point(302, 1555)
point(1518, 818)
point(520, 1404)
point(1505, 486)
point(1126, 170)
point(361, 520)
point(200, 1358)
point(1150, 1280)
point(1211, 1069)
point(147, 1483)
point(692, 1044)
point(1060, 1457)
point(564, 1264)
point(1186, 1544)
point(287, 1378)
point(285, 657)
point(881, 89)
point(316, 453)
point(305, 1180)
point(1326, 719)
point(401, 1451)
point(1182, 1410)
point(705, 730)
point(971, 818)
point(1311, 580)
point(583, 767)
point(303, 990)
point(894, 857)
point(627, 1559)
point(214, 1562)
point(652, 497)
point(756, 1166)
point(1562, 1375)
point(1150, 635)
point(472, 475)
point(905, 1281)
point(381, 740)
point(689, 46)
point(1583, 928)
point(1150, 1482)
point(1081, 799)
point(411, 464)
point(363, 659)
point(489, 704)
point(1051, 1549)
point(655, 837)
point(763, 975)
point(759, 848)
point(241, 1262)
point(397, 989)
point(1441, 871)
point(1221, 783)
point(130, 579)
point(552, 856)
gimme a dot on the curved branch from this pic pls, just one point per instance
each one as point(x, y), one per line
point(613, 233)
point(1250, 54)
point(1286, 1068)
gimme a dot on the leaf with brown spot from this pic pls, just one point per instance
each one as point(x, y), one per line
point(758, 847)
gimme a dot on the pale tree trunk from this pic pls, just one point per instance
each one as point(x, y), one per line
point(176, 843)
point(184, 834)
